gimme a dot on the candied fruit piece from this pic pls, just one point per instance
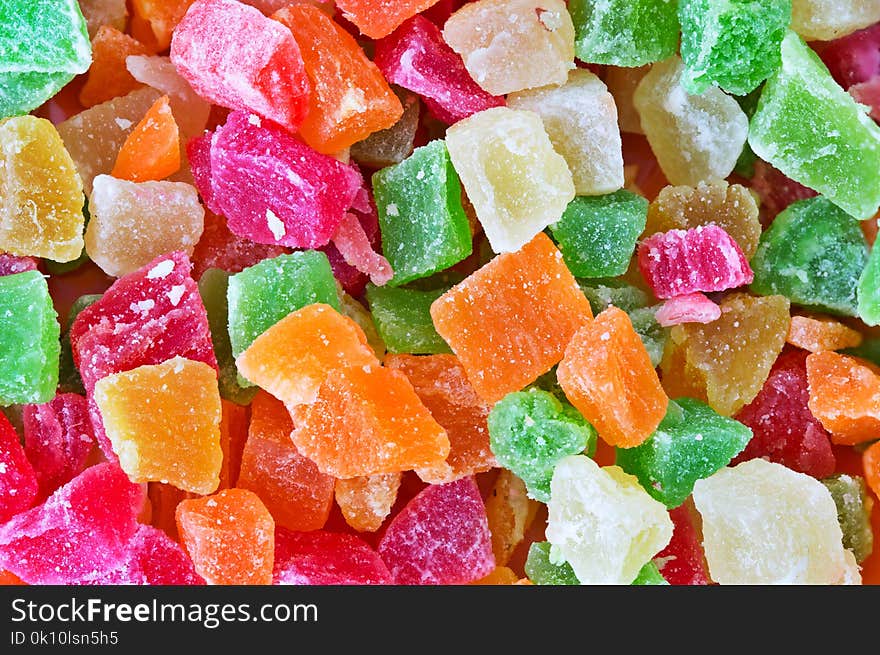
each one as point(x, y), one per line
point(871, 465)
point(152, 150)
point(509, 322)
point(607, 375)
point(19, 482)
point(366, 501)
point(154, 21)
point(103, 12)
point(394, 144)
point(230, 537)
point(403, 319)
point(682, 562)
point(818, 333)
point(108, 77)
point(543, 568)
point(689, 308)
point(844, 396)
point(775, 191)
point(824, 20)
point(219, 248)
point(440, 537)
point(378, 21)
point(853, 513)
point(853, 59)
point(511, 513)
point(326, 558)
point(868, 290)
point(602, 522)
point(766, 524)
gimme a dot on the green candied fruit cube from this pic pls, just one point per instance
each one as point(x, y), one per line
point(30, 345)
point(542, 569)
point(606, 292)
point(653, 335)
point(692, 442)
point(213, 289)
point(597, 234)
point(423, 224)
point(868, 290)
point(624, 32)
point(649, 575)
point(403, 319)
point(261, 295)
point(850, 494)
point(44, 44)
point(69, 380)
point(813, 253)
point(530, 431)
point(816, 134)
point(734, 45)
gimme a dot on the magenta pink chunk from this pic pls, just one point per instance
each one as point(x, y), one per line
point(12, 264)
point(353, 244)
point(275, 189)
point(682, 561)
point(784, 431)
point(351, 279)
point(234, 56)
point(82, 528)
point(690, 308)
point(151, 558)
point(18, 481)
point(326, 558)
point(776, 191)
point(58, 438)
point(417, 58)
point(868, 93)
point(145, 317)
point(853, 58)
point(704, 258)
point(441, 536)
point(198, 152)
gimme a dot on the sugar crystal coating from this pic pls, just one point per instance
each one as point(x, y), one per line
point(107, 77)
point(403, 319)
point(818, 333)
point(689, 308)
point(326, 558)
point(366, 502)
point(844, 396)
point(19, 484)
point(541, 568)
point(825, 20)
point(378, 19)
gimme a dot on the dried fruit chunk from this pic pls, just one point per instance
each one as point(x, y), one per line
point(825, 20)
point(844, 396)
point(366, 502)
point(152, 150)
point(326, 558)
point(818, 333)
point(510, 513)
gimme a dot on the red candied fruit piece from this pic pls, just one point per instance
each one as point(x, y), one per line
point(152, 558)
point(275, 189)
point(83, 527)
point(233, 56)
point(417, 58)
point(853, 58)
point(784, 430)
point(220, 248)
point(58, 438)
point(704, 258)
point(440, 537)
point(12, 264)
point(146, 317)
point(326, 558)
point(682, 562)
point(18, 481)
point(198, 152)
point(868, 93)
point(776, 191)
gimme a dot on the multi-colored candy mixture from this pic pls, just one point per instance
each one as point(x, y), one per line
point(439, 292)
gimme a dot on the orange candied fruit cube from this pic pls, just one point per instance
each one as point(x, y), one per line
point(108, 77)
point(365, 502)
point(378, 21)
point(510, 321)
point(163, 421)
point(291, 359)
point(229, 536)
point(871, 466)
point(442, 384)
point(818, 333)
point(844, 396)
point(368, 420)
point(350, 98)
point(608, 376)
point(152, 150)
point(291, 487)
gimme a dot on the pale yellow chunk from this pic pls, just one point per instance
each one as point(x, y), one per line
point(511, 45)
point(94, 136)
point(695, 137)
point(622, 83)
point(134, 222)
point(602, 522)
point(581, 119)
point(764, 523)
point(365, 502)
point(163, 421)
point(824, 20)
point(517, 183)
point(41, 194)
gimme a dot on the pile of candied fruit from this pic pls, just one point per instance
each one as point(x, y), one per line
point(439, 292)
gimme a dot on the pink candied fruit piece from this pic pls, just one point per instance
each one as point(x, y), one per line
point(234, 56)
point(351, 279)
point(854, 58)
point(783, 428)
point(682, 562)
point(151, 558)
point(198, 152)
point(689, 308)
point(319, 557)
point(12, 264)
point(275, 189)
point(440, 537)
point(416, 57)
point(58, 438)
point(220, 248)
point(83, 527)
point(868, 93)
point(146, 317)
point(776, 191)
point(18, 481)
point(354, 245)
point(704, 258)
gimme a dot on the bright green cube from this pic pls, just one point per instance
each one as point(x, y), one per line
point(597, 234)
point(423, 224)
point(814, 254)
point(30, 346)
point(403, 319)
point(814, 132)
